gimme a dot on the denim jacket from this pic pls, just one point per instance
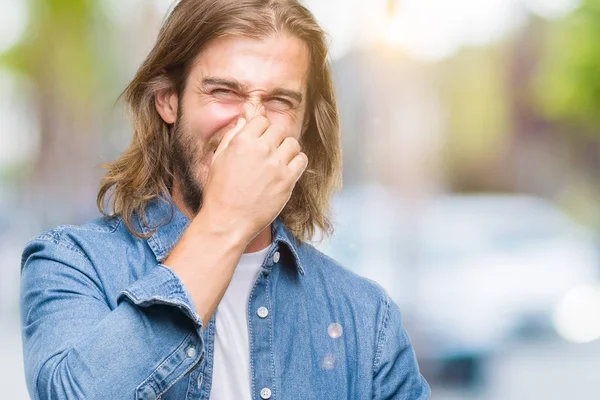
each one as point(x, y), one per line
point(102, 318)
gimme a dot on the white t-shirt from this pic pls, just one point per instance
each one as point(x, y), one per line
point(231, 364)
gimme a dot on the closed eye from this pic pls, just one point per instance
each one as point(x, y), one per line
point(282, 101)
point(222, 91)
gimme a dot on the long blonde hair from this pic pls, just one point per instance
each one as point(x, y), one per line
point(144, 171)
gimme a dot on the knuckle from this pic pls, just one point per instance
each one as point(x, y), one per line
point(274, 163)
point(262, 120)
point(278, 129)
point(238, 145)
point(293, 144)
point(263, 149)
point(236, 140)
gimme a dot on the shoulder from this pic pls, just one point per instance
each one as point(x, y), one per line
point(70, 235)
point(74, 239)
point(326, 270)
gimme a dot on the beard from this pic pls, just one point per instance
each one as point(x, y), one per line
point(189, 155)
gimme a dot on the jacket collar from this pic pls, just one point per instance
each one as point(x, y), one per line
point(171, 223)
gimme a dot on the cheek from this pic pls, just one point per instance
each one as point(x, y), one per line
point(210, 119)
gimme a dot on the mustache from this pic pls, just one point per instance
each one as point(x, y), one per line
point(186, 140)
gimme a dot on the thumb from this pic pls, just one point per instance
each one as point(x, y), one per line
point(240, 123)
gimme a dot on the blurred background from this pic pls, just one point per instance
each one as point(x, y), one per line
point(471, 134)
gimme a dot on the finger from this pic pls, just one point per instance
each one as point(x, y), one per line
point(256, 126)
point(288, 149)
point(298, 165)
point(274, 136)
point(241, 122)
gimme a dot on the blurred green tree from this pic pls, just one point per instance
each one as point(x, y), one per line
point(61, 48)
point(567, 88)
point(66, 56)
point(567, 92)
point(475, 89)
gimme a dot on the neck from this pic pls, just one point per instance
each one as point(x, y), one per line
point(258, 243)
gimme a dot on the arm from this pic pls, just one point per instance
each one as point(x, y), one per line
point(76, 347)
point(396, 373)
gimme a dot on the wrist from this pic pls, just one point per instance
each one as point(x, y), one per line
point(212, 226)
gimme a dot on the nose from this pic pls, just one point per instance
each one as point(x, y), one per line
point(253, 108)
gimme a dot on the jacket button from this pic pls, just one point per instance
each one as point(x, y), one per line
point(191, 352)
point(276, 257)
point(262, 312)
point(265, 393)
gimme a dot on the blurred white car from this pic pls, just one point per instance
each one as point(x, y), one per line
point(470, 272)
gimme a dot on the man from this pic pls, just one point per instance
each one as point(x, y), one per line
point(199, 284)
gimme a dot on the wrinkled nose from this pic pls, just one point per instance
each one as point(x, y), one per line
point(253, 108)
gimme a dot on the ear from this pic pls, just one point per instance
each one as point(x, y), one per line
point(166, 102)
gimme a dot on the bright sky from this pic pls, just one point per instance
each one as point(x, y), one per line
point(429, 29)
point(13, 19)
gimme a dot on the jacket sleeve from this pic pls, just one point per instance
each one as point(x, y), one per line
point(77, 347)
point(396, 372)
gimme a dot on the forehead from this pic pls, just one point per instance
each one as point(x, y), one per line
point(274, 61)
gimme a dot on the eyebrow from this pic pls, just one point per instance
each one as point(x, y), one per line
point(235, 85)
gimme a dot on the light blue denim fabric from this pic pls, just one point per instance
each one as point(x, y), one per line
point(102, 318)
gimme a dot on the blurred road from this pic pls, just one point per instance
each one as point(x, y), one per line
point(540, 370)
